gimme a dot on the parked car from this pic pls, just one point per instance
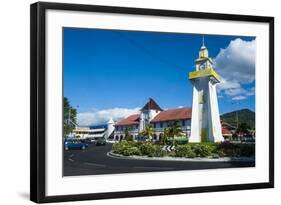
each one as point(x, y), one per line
point(248, 139)
point(92, 139)
point(74, 144)
point(101, 141)
point(87, 141)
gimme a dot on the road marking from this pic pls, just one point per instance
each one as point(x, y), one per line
point(98, 165)
point(70, 158)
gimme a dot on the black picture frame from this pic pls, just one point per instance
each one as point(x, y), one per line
point(38, 101)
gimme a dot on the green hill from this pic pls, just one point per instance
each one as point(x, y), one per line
point(244, 116)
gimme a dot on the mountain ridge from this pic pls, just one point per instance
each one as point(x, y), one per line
point(244, 116)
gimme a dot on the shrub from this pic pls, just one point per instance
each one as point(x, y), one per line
point(237, 150)
point(247, 150)
point(160, 153)
point(118, 147)
point(215, 156)
point(129, 138)
point(190, 150)
point(172, 153)
point(126, 148)
point(131, 151)
point(202, 150)
point(220, 153)
point(184, 151)
point(148, 149)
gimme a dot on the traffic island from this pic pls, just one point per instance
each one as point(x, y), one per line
point(187, 152)
point(182, 159)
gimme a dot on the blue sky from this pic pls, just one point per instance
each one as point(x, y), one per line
point(113, 73)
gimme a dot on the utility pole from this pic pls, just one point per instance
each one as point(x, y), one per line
point(237, 119)
point(68, 116)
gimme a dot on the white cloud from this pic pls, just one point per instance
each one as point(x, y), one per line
point(236, 62)
point(224, 85)
point(239, 97)
point(251, 91)
point(236, 65)
point(235, 91)
point(102, 116)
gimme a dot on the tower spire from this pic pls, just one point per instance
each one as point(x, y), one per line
point(203, 52)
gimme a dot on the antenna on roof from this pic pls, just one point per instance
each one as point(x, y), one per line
point(203, 41)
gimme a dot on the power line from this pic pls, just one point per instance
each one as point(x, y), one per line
point(147, 51)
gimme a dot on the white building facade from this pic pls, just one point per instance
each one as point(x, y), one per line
point(92, 132)
point(159, 119)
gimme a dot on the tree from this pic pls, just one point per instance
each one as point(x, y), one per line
point(128, 137)
point(148, 132)
point(165, 135)
point(243, 128)
point(174, 130)
point(69, 121)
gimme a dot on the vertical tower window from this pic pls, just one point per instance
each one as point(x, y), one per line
point(201, 97)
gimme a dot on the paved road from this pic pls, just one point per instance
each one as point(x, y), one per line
point(94, 160)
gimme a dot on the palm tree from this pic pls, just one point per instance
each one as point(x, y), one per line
point(127, 131)
point(166, 135)
point(148, 132)
point(70, 117)
point(174, 130)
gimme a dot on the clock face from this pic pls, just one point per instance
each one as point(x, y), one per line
point(202, 66)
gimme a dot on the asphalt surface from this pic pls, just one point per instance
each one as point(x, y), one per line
point(94, 160)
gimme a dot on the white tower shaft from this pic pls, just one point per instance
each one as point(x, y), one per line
point(205, 121)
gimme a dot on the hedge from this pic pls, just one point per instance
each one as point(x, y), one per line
point(190, 150)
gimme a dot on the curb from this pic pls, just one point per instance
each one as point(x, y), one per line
point(197, 159)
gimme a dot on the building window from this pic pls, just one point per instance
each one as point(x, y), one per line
point(161, 124)
point(183, 123)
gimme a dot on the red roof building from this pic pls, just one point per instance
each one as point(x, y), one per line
point(173, 115)
point(131, 120)
point(151, 105)
point(153, 114)
point(226, 132)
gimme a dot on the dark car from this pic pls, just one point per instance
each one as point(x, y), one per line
point(248, 139)
point(87, 141)
point(74, 144)
point(101, 141)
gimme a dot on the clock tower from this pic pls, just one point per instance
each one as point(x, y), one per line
point(205, 121)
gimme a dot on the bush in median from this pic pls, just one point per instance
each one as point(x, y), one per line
point(237, 150)
point(184, 151)
point(126, 148)
point(247, 150)
point(148, 149)
point(131, 151)
point(190, 150)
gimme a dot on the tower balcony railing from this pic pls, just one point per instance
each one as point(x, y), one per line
point(185, 128)
point(123, 131)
